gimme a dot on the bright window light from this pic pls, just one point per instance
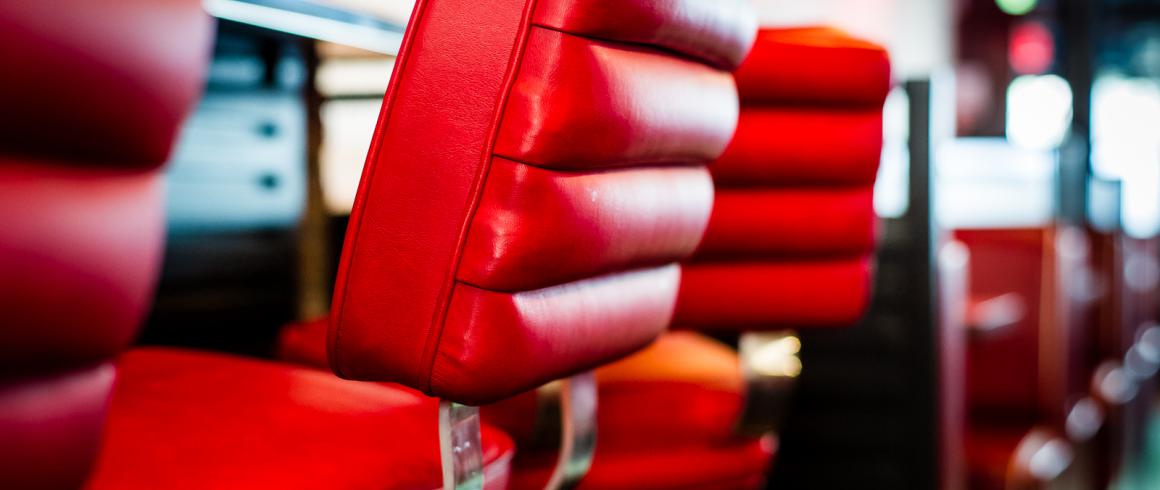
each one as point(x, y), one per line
point(1126, 147)
point(1038, 111)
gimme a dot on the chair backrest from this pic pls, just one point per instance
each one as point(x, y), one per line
point(90, 100)
point(537, 170)
point(792, 232)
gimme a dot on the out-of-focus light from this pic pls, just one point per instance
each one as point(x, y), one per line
point(775, 357)
point(1126, 147)
point(1038, 111)
point(1032, 48)
point(890, 189)
point(1016, 7)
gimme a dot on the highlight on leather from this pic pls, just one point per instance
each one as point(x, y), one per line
point(100, 82)
point(536, 228)
point(719, 32)
point(288, 425)
point(80, 249)
point(579, 104)
point(533, 172)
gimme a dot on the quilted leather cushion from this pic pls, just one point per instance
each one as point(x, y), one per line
point(793, 228)
point(99, 81)
point(534, 174)
point(814, 66)
point(51, 427)
point(181, 420)
point(802, 146)
point(80, 249)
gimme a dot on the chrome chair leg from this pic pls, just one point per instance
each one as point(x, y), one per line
point(577, 431)
point(461, 451)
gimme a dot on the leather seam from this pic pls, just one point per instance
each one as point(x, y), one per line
point(385, 118)
point(658, 49)
point(439, 323)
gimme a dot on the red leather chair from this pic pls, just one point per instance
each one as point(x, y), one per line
point(535, 169)
point(90, 99)
point(789, 245)
point(1027, 372)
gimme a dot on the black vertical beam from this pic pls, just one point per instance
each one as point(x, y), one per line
point(1078, 19)
point(866, 410)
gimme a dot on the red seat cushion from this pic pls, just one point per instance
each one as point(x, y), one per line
point(673, 407)
point(737, 466)
point(182, 419)
point(537, 169)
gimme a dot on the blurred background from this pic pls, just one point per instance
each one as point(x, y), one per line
point(1012, 334)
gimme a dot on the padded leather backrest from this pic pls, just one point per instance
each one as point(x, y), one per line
point(90, 100)
point(91, 95)
point(793, 226)
point(537, 169)
point(99, 81)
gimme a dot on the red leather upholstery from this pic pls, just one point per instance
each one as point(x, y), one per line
point(99, 82)
point(90, 101)
point(792, 229)
point(814, 66)
point(1002, 366)
point(532, 172)
point(736, 466)
point(197, 420)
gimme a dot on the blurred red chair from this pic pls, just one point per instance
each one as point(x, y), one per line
point(90, 101)
point(1028, 374)
point(788, 246)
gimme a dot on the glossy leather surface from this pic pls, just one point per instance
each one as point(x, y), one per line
point(773, 295)
point(104, 81)
point(287, 428)
point(813, 146)
point(51, 425)
point(717, 31)
point(68, 305)
point(91, 98)
point(502, 140)
point(736, 466)
point(792, 232)
point(814, 66)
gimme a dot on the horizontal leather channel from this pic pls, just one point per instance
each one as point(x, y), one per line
point(80, 249)
point(771, 295)
point(103, 84)
point(719, 32)
point(790, 222)
point(579, 103)
point(528, 338)
point(814, 65)
point(536, 227)
point(779, 146)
